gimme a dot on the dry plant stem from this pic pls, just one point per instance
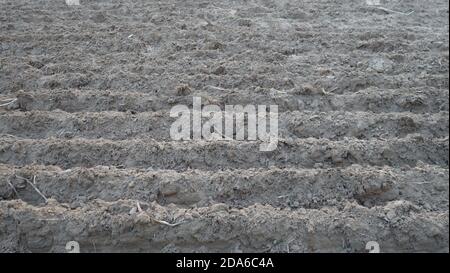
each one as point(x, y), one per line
point(394, 11)
point(13, 188)
point(156, 220)
point(32, 184)
point(8, 103)
point(167, 223)
point(217, 88)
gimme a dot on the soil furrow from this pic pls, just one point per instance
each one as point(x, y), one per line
point(362, 150)
point(427, 100)
point(425, 186)
point(156, 125)
point(217, 155)
point(111, 227)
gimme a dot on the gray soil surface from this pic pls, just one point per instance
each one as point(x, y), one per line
point(86, 155)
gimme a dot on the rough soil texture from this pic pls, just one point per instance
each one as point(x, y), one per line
point(363, 95)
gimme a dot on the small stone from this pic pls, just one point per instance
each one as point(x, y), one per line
point(218, 207)
point(215, 46)
point(318, 165)
point(183, 90)
point(391, 215)
point(338, 156)
point(152, 197)
point(324, 71)
point(133, 211)
point(380, 65)
point(219, 70)
point(169, 190)
point(309, 89)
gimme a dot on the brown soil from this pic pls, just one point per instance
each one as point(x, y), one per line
point(363, 96)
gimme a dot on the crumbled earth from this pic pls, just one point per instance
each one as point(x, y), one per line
point(86, 154)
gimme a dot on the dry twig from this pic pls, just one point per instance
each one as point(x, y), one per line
point(33, 184)
point(8, 103)
point(13, 188)
point(139, 209)
point(217, 88)
point(394, 11)
point(167, 223)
